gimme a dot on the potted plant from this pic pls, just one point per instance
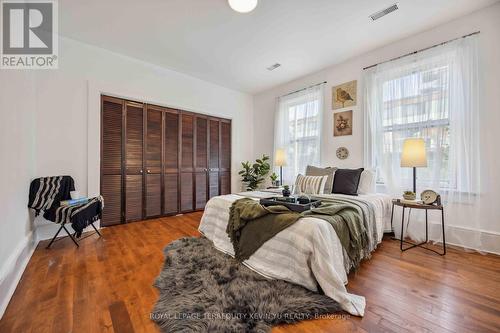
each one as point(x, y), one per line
point(409, 195)
point(274, 179)
point(286, 191)
point(254, 174)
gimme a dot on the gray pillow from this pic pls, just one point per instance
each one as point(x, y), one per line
point(315, 171)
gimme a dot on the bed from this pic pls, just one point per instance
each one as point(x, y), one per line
point(308, 253)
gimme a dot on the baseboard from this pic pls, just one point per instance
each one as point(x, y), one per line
point(13, 269)
point(467, 238)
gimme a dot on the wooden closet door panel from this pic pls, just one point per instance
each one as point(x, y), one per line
point(133, 161)
point(186, 191)
point(201, 150)
point(201, 190)
point(213, 184)
point(133, 202)
point(171, 144)
point(225, 182)
point(134, 138)
point(153, 195)
point(225, 157)
point(153, 141)
point(153, 160)
point(187, 142)
point(111, 190)
point(225, 146)
point(214, 145)
point(201, 162)
point(213, 158)
point(111, 136)
point(171, 194)
point(171, 162)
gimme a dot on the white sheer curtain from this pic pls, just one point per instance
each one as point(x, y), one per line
point(432, 95)
point(297, 130)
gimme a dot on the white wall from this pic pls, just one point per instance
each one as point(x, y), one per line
point(49, 125)
point(17, 167)
point(488, 22)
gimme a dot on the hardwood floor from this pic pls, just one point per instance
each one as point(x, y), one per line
point(106, 286)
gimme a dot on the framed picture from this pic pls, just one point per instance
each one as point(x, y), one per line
point(344, 95)
point(342, 123)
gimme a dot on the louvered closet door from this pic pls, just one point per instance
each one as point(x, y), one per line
point(187, 163)
point(133, 161)
point(111, 159)
point(171, 160)
point(213, 159)
point(201, 162)
point(153, 161)
point(225, 157)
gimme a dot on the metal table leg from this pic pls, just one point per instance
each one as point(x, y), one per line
point(392, 217)
point(402, 229)
point(442, 224)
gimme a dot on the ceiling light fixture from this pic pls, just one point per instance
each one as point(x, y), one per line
point(243, 6)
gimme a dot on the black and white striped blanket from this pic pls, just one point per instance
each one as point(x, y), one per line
point(80, 216)
point(46, 194)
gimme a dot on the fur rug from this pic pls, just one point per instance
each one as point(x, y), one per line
point(203, 290)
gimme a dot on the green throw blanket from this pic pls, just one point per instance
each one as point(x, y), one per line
point(251, 225)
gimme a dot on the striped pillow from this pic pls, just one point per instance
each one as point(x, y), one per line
point(310, 184)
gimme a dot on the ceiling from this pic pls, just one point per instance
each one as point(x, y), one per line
point(208, 40)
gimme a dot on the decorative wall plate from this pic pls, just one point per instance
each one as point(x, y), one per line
point(428, 197)
point(342, 153)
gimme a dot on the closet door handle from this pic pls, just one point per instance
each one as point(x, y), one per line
point(149, 171)
point(140, 171)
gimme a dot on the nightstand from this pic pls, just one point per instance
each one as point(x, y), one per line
point(404, 205)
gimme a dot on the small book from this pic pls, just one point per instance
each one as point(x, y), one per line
point(73, 202)
point(411, 201)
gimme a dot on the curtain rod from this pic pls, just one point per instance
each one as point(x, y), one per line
point(296, 91)
point(425, 49)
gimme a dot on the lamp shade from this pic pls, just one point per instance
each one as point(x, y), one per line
point(280, 157)
point(414, 154)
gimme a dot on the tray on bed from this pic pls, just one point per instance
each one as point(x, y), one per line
point(290, 202)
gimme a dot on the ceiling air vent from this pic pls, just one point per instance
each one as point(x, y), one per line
point(384, 12)
point(273, 67)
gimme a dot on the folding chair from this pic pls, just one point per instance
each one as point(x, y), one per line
point(45, 196)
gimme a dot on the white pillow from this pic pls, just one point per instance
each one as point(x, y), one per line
point(310, 184)
point(367, 182)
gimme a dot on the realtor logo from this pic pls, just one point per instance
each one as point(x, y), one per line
point(29, 34)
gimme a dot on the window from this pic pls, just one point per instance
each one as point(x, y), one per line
point(416, 105)
point(430, 95)
point(298, 130)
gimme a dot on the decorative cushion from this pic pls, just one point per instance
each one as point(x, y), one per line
point(367, 182)
point(346, 181)
point(310, 184)
point(315, 171)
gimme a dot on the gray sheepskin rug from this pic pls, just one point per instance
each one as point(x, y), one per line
point(203, 290)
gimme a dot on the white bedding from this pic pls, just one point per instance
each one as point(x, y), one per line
point(307, 253)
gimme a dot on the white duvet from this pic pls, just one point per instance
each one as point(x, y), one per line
point(307, 253)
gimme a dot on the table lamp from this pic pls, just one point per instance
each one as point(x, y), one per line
point(414, 156)
point(280, 160)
